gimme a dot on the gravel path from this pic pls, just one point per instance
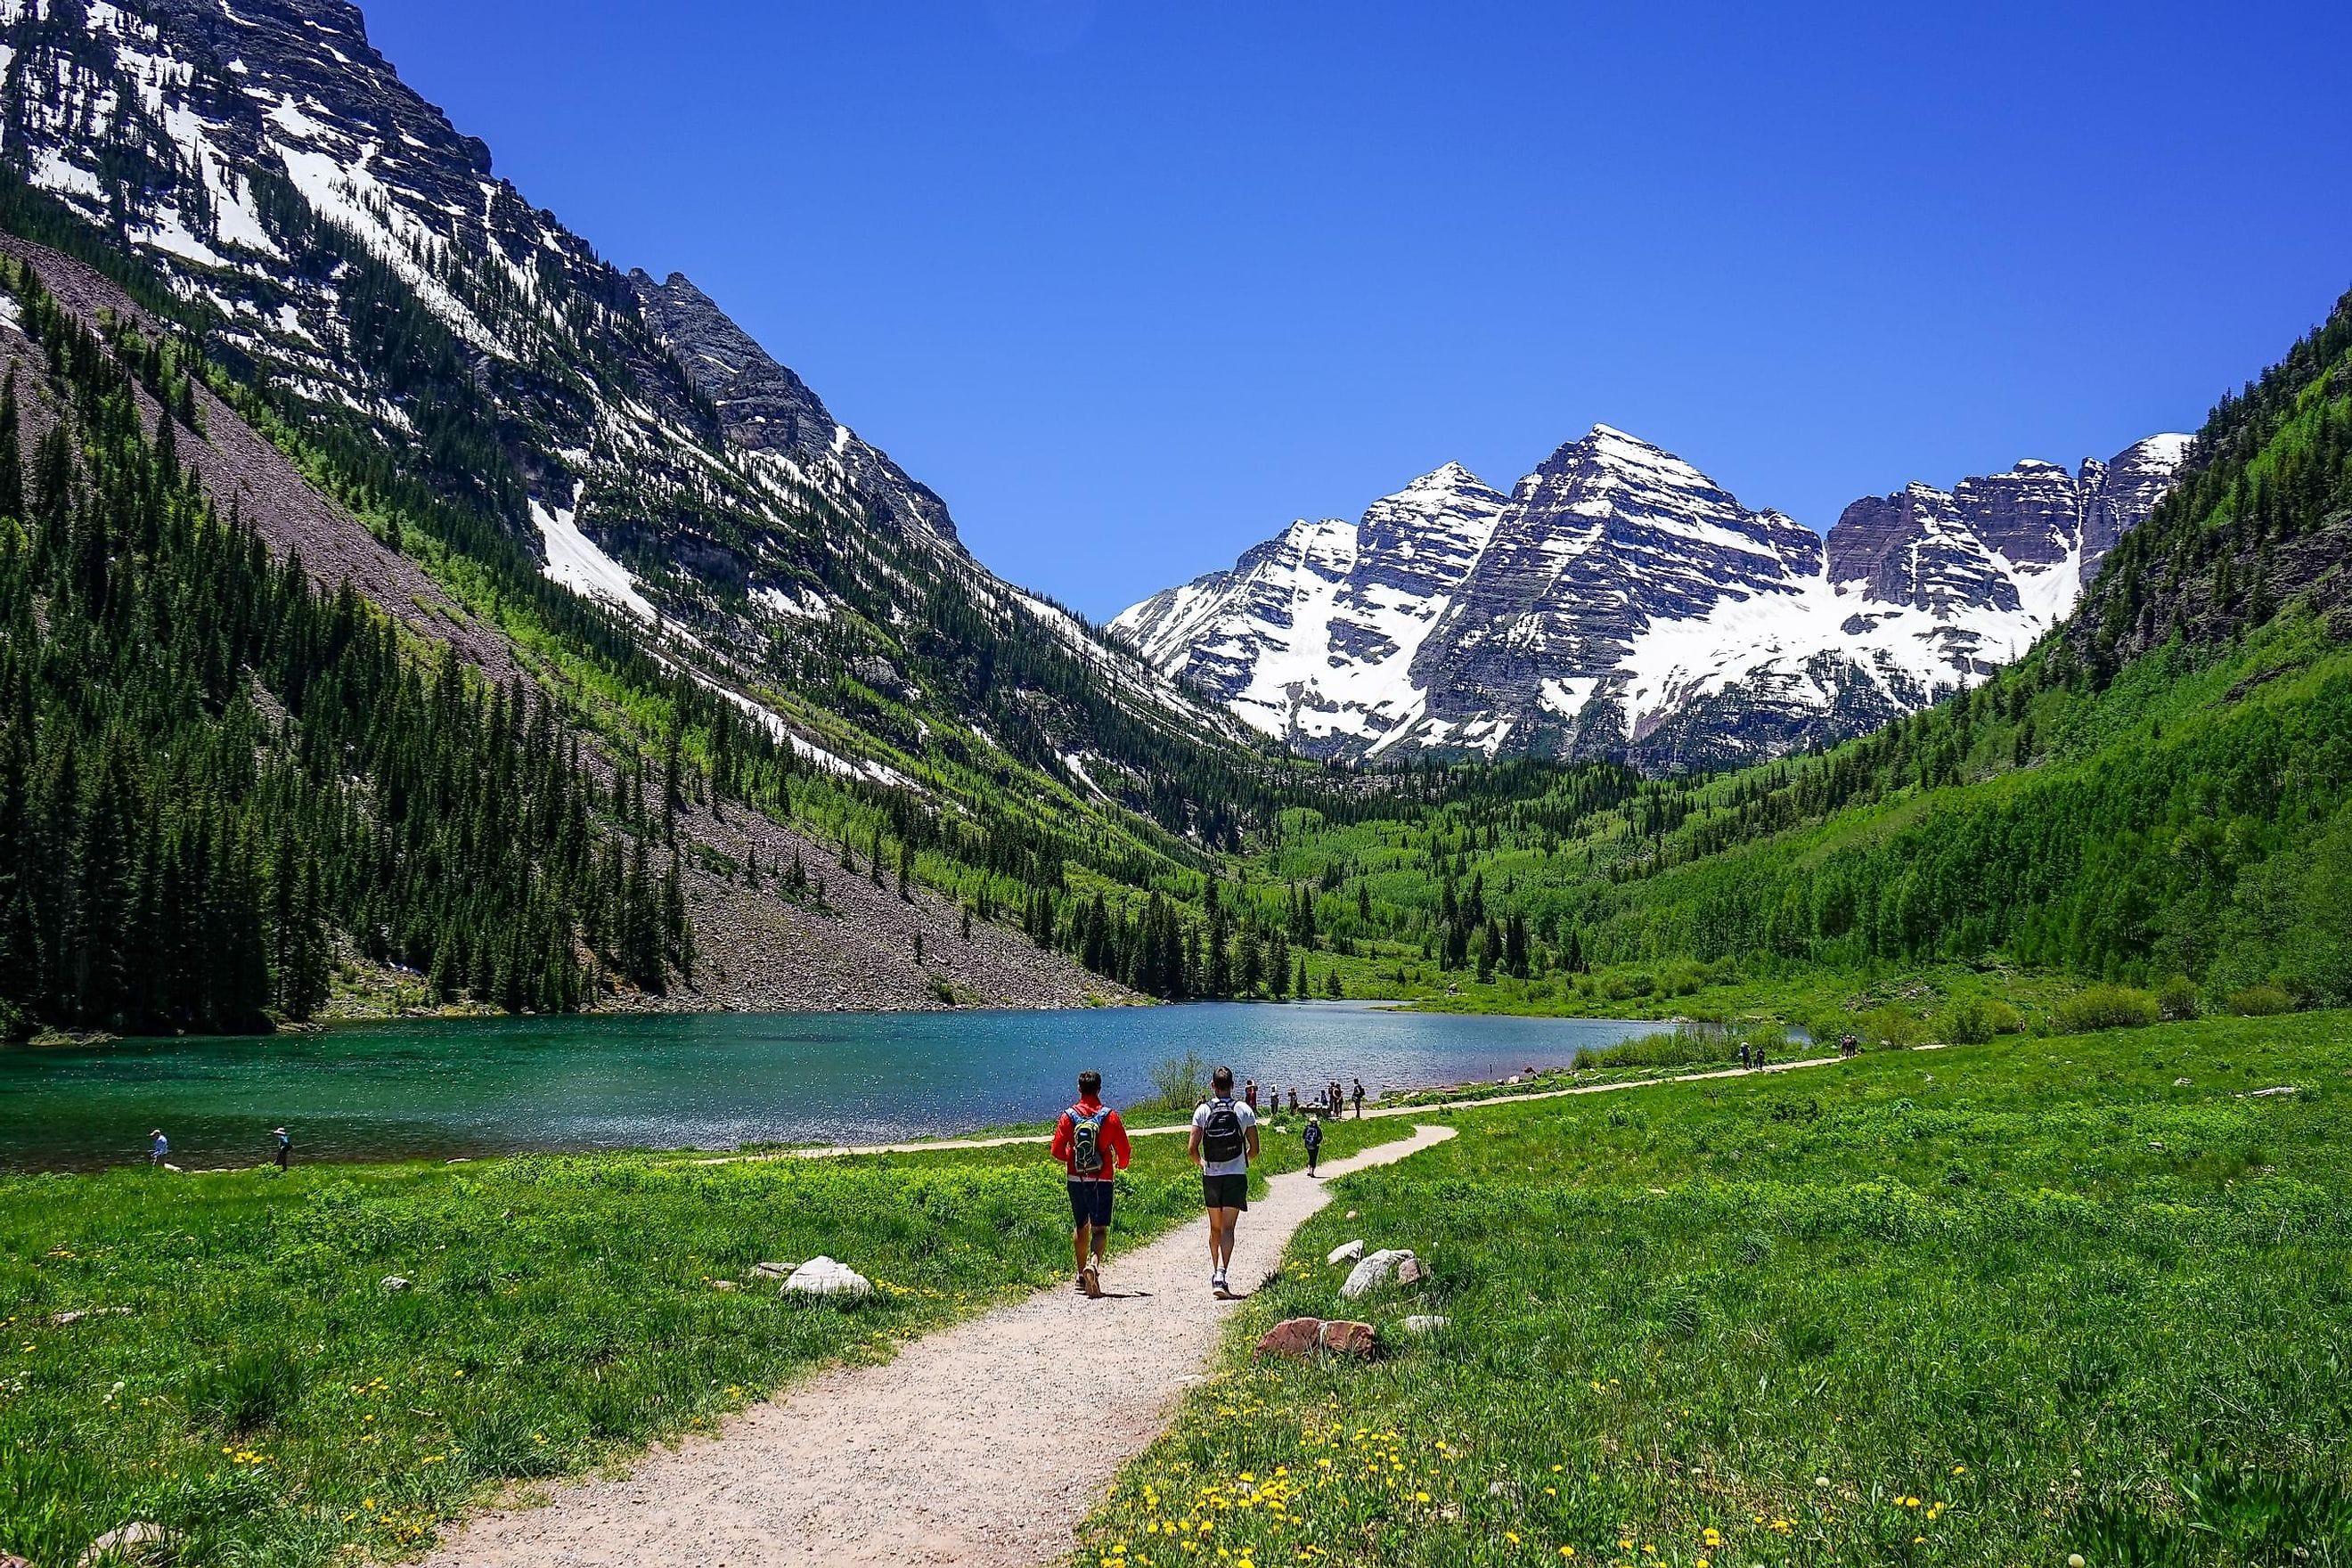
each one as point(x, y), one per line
point(958, 1451)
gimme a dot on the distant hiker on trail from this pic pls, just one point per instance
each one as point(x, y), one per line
point(285, 1146)
point(1360, 1100)
point(1249, 1094)
point(1759, 1057)
point(1848, 1045)
point(1312, 1136)
point(1091, 1143)
point(1743, 1055)
point(1294, 1100)
point(1224, 1143)
point(158, 1147)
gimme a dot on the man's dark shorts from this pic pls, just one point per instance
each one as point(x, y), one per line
point(1090, 1204)
point(1224, 1192)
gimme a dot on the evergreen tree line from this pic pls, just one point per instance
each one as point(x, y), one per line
point(212, 774)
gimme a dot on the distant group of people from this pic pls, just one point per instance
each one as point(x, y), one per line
point(159, 1149)
point(1330, 1100)
point(1092, 1145)
point(1752, 1056)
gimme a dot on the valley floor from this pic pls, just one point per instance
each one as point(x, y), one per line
point(1993, 1303)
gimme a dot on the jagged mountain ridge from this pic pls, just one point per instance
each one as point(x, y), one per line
point(1620, 603)
point(364, 258)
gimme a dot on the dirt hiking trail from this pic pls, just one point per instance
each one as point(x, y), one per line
point(958, 1451)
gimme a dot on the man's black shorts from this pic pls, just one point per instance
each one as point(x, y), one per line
point(1090, 1204)
point(1224, 1192)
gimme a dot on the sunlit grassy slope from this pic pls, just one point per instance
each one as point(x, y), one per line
point(1990, 1305)
point(264, 1396)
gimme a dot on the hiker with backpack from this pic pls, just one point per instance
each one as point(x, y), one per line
point(1224, 1143)
point(1091, 1143)
point(1311, 1135)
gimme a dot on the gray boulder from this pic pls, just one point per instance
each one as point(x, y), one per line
point(1345, 1253)
point(1373, 1272)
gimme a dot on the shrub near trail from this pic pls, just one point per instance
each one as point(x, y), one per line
point(1994, 1304)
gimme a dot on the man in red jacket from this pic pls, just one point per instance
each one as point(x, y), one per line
point(1091, 1143)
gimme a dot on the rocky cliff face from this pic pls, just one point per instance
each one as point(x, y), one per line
point(361, 256)
point(1620, 603)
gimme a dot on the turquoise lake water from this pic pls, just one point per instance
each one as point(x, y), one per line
point(705, 1080)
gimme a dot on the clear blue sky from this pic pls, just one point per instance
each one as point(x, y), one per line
point(1132, 284)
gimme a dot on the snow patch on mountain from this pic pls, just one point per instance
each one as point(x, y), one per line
point(574, 561)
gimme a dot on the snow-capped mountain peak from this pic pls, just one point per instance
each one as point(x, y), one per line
point(1312, 633)
point(1620, 602)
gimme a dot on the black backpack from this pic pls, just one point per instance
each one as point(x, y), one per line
point(1221, 1134)
point(1312, 1135)
point(1086, 1138)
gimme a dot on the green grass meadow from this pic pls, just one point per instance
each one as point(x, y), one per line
point(1998, 1304)
point(266, 1400)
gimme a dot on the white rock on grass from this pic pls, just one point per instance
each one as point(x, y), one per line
point(67, 1319)
point(1373, 1272)
point(1422, 1324)
point(132, 1543)
point(393, 1283)
point(1347, 1252)
point(824, 1277)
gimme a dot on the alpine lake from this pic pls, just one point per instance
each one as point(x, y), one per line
point(449, 1089)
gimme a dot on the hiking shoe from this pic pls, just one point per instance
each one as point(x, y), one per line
point(1089, 1281)
point(1217, 1283)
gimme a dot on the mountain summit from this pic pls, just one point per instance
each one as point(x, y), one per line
point(1620, 603)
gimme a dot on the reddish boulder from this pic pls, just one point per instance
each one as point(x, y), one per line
point(1295, 1338)
point(1349, 1339)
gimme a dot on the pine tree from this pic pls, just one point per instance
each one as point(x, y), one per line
point(11, 456)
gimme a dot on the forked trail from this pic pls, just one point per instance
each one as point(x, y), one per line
point(984, 1444)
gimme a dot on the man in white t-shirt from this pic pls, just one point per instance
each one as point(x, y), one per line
point(1224, 1143)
